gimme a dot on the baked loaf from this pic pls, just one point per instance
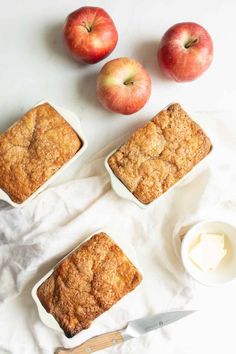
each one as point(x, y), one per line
point(87, 283)
point(160, 154)
point(33, 149)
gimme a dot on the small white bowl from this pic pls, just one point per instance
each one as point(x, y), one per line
point(226, 271)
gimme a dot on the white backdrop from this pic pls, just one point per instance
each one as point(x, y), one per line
point(34, 66)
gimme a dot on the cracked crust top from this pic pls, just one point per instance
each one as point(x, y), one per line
point(33, 149)
point(160, 154)
point(87, 283)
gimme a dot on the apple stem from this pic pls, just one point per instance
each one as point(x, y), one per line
point(129, 82)
point(88, 27)
point(191, 42)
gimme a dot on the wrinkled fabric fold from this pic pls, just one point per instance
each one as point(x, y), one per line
point(33, 239)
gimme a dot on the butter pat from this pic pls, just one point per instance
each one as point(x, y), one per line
point(209, 251)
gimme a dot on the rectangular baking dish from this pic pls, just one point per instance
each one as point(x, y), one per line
point(74, 122)
point(46, 317)
point(121, 190)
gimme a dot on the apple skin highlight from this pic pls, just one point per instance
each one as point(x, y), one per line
point(185, 52)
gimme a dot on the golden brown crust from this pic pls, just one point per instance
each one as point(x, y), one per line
point(33, 149)
point(87, 283)
point(160, 154)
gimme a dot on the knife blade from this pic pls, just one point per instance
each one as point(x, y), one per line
point(143, 325)
point(133, 329)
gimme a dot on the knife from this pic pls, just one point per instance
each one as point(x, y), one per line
point(134, 329)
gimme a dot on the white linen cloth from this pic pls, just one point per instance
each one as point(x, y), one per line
point(34, 238)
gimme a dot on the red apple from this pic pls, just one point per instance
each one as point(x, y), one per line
point(90, 34)
point(123, 86)
point(185, 52)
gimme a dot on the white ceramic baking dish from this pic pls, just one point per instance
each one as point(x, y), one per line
point(46, 317)
point(73, 120)
point(121, 190)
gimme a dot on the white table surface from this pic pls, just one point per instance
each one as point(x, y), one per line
point(35, 66)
